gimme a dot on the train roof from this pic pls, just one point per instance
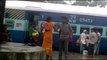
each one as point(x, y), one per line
point(57, 8)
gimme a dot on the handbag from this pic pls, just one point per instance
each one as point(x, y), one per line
point(70, 39)
point(78, 41)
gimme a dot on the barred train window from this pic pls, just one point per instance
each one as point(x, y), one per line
point(74, 29)
point(100, 30)
point(84, 28)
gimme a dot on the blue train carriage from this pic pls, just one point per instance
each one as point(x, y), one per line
point(86, 18)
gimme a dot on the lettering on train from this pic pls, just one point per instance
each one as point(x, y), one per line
point(72, 19)
point(86, 20)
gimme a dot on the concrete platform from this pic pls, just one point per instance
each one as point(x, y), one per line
point(76, 56)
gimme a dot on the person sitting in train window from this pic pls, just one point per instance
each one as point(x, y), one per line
point(47, 37)
point(35, 35)
point(84, 40)
point(92, 41)
point(5, 35)
point(65, 30)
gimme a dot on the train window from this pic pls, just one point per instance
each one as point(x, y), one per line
point(84, 28)
point(106, 32)
point(99, 30)
point(74, 29)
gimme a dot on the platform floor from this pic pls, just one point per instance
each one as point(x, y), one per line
point(78, 56)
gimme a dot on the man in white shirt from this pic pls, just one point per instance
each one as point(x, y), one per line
point(83, 38)
point(92, 41)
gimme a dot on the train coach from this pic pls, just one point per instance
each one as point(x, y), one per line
point(35, 13)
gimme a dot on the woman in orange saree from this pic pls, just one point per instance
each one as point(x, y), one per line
point(47, 37)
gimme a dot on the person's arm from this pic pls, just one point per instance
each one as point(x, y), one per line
point(71, 30)
point(57, 27)
point(92, 36)
point(97, 37)
point(81, 37)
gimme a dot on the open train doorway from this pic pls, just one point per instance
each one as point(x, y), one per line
point(33, 18)
point(33, 25)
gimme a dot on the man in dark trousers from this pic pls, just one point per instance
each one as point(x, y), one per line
point(64, 31)
point(92, 41)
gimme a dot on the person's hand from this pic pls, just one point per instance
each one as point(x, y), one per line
point(57, 30)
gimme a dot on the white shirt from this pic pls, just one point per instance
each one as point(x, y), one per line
point(83, 37)
point(99, 34)
point(93, 38)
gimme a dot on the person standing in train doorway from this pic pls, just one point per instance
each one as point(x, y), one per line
point(92, 41)
point(84, 37)
point(96, 47)
point(47, 37)
point(64, 31)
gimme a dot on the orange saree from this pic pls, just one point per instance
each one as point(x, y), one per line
point(47, 38)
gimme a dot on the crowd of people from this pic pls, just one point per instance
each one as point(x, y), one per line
point(65, 32)
point(87, 42)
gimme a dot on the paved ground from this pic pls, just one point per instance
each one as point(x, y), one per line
point(78, 56)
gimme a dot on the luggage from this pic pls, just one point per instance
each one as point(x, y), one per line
point(85, 52)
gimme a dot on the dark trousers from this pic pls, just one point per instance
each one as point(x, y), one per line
point(63, 46)
point(48, 57)
point(91, 49)
point(82, 47)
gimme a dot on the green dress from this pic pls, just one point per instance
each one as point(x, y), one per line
point(30, 32)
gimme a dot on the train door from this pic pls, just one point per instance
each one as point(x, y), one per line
point(33, 18)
